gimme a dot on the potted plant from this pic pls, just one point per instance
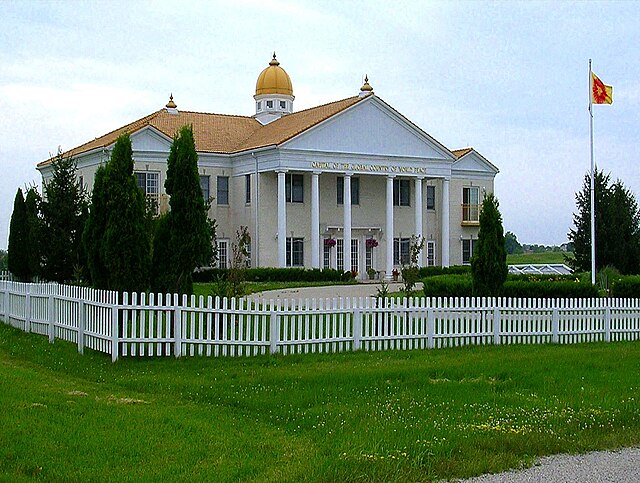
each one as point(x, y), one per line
point(371, 243)
point(329, 242)
point(395, 274)
point(371, 272)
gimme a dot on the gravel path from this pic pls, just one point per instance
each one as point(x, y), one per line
point(621, 466)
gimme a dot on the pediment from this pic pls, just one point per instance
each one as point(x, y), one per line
point(370, 127)
point(150, 139)
point(474, 162)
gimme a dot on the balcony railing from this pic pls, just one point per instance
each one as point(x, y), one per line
point(470, 214)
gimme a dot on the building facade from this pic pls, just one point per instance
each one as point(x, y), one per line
point(343, 185)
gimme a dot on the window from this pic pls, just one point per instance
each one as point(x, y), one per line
point(401, 250)
point(259, 105)
point(401, 192)
point(368, 257)
point(340, 254)
point(431, 253)
point(204, 186)
point(223, 253)
point(223, 190)
point(355, 190)
point(81, 181)
point(326, 256)
point(295, 252)
point(471, 205)
point(431, 197)
point(354, 255)
point(269, 104)
point(294, 188)
point(468, 247)
point(248, 260)
point(247, 188)
point(283, 104)
point(148, 182)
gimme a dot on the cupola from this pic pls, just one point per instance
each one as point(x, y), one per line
point(274, 93)
point(366, 89)
point(172, 107)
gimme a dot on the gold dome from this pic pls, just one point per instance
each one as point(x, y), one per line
point(274, 80)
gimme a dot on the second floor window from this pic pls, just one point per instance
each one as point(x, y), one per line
point(247, 188)
point(401, 192)
point(149, 183)
point(470, 204)
point(204, 186)
point(223, 190)
point(355, 190)
point(294, 188)
point(431, 197)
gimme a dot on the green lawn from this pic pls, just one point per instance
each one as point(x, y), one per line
point(535, 258)
point(402, 416)
point(206, 289)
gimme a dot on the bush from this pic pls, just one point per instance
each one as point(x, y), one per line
point(548, 289)
point(626, 287)
point(276, 275)
point(448, 286)
point(436, 271)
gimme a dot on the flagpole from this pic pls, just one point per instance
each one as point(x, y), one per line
point(593, 197)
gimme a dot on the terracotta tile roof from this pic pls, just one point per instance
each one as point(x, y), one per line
point(458, 153)
point(219, 133)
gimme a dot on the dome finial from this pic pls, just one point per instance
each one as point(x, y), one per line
point(171, 104)
point(366, 88)
point(274, 61)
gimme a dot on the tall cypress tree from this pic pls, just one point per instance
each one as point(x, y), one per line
point(94, 231)
point(64, 212)
point(18, 240)
point(489, 263)
point(34, 227)
point(125, 245)
point(189, 229)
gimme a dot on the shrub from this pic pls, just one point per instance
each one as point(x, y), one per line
point(626, 287)
point(435, 271)
point(548, 289)
point(276, 275)
point(448, 286)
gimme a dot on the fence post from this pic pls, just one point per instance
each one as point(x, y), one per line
point(357, 329)
point(114, 332)
point(431, 328)
point(607, 324)
point(177, 326)
point(496, 323)
point(555, 322)
point(51, 309)
point(81, 325)
point(274, 332)
point(27, 311)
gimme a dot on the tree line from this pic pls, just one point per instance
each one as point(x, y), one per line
point(112, 239)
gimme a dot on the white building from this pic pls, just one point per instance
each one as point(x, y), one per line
point(286, 174)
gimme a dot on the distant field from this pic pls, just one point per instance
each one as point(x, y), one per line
point(531, 258)
point(386, 416)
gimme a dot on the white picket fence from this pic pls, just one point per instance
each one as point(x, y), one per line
point(149, 325)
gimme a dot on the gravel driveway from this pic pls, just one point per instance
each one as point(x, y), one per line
point(621, 466)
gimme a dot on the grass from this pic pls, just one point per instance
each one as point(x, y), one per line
point(536, 258)
point(401, 416)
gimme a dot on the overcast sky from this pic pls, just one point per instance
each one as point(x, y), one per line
point(508, 78)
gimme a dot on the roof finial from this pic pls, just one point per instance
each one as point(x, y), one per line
point(366, 88)
point(274, 61)
point(171, 104)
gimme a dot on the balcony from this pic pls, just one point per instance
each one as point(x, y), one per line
point(470, 214)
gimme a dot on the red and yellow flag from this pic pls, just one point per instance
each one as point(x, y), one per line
point(600, 92)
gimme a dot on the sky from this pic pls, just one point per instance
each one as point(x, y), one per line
point(507, 78)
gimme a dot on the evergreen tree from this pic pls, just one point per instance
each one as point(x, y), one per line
point(125, 247)
point(161, 273)
point(18, 240)
point(94, 231)
point(34, 227)
point(617, 226)
point(511, 243)
point(64, 212)
point(489, 263)
point(190, 231)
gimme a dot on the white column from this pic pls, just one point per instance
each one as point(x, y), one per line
point(418, 214)
point(445, 222)
point(282, 220)
point(346, 198)
point(389, 228)
point(315, 220)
